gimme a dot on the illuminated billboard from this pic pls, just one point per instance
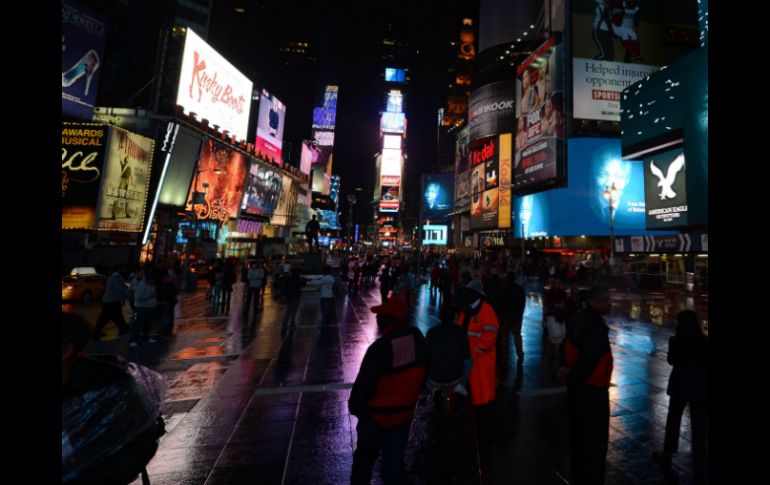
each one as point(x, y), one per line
point(665, 181)
point(262, 192)
point(308, 157)
point(283, 208)
point(272, 116)
point(393, 75)
point(83, 39)
point(614, 45)
point(393, 122)
point(324, 138)
point(83, 148)
point(390, 186)
point(539, 153)
point(435, 234)
point(437, 197)
point(391, 162)
point(126, 181)
point(212, 88)
point(220, 176)
point(391, 142)
point(594, 165)
point(395, 102)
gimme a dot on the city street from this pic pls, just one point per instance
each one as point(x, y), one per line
point(249, 402)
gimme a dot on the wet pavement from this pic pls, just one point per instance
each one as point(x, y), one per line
point(249, 402)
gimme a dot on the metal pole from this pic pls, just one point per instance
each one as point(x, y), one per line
point(612, 238)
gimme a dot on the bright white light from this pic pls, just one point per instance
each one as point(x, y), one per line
point(392, 142)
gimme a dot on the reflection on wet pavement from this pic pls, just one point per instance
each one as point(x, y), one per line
point(277, 414)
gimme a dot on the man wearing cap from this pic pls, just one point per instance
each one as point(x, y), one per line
point(385, 393)
point(480, 321)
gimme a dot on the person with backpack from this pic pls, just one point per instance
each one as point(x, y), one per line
point(256, 276)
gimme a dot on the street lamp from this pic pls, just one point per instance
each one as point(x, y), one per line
point(611, 194)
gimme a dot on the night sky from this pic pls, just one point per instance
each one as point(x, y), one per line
point(346, 39)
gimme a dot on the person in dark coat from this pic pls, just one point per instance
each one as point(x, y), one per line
point(228, 280)
point(509, 306)
point(588, 370)
point(688, 384)
point(385, 394)
point(293, 288)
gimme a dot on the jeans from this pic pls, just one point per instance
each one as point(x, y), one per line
point(142, 323)
point(371, 439)
point(327, 307)
point(291, 311)
point(252, 292)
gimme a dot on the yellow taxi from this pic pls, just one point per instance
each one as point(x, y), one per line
point(83, 284)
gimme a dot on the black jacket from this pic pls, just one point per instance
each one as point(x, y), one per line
point(588, 351)
point(447, 351)
point(689, 377)
point(510, 304)
point(392, 373)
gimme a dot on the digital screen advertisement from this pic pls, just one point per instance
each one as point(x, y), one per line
point(389, 193)
point(220, 176)
point(582, 208)
point(491, 175)
point(540, 117)
point(395, 102)
point(126, 181)
point(435, 234)
point(614, 44)
point(393, 122)
point(393, 75)
point(212, 88)
point(308, 157)
point(272, 116)
point(83, 148)
point(437, 197)
point(83, 39)
point(665, 178)
point(262, 192)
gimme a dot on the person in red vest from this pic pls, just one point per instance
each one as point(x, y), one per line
point(588, 369)
point(481, 324)
point(385, 394)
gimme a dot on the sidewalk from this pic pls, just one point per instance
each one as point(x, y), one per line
point(251, 403)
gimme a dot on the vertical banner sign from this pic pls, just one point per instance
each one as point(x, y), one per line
point(540, 124)
point(83, 38)
point(126, 180)
point(272, 116)
point(504, 214)
point(665, 190)
point(82, 159)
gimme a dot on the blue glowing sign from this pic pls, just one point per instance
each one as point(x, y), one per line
point(393, 122)
point(437, 197)
point(394, 75)
point(594, 165)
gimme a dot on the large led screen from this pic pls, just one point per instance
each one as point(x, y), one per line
point(437, 197)
point(582, 208)
point(212, 88)
point(220, 176)
point(272, 118)
point(393, 122)
point(393, 75)
point(665, 177)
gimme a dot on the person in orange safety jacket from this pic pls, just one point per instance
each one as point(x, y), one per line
point(385, 393)
point(480, 321)
point(481, 324)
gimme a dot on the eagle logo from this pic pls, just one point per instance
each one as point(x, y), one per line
point(665, 182)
